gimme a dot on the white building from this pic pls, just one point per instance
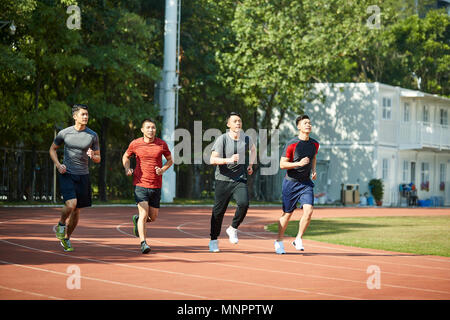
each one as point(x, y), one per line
point(373, 130)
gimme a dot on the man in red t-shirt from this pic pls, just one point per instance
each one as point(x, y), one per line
point(147, 176)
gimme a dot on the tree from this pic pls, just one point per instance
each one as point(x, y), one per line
point(424, 49)
point(46, 67)
point(203, 96)
point(120, 77)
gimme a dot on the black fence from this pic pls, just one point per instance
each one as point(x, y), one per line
point(29, 175)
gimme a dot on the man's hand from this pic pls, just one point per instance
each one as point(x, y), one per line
point(90, 153)
point(159, 171)
point(129, 172)
point(249, 170)
point(314, 175)
point(234, 158)
point(303, 162)
point(62, 168)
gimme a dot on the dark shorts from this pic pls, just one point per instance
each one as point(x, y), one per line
point(152, 196)
point(73, 186)
point(294, 191)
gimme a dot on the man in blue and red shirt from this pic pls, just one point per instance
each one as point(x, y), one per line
point(299, 158)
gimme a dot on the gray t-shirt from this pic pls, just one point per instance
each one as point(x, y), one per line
point(76, 144)
point(234, 171)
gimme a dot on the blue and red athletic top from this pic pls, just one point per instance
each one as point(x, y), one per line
point(297, 149)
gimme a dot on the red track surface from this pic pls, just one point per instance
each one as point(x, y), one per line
point(180, 267)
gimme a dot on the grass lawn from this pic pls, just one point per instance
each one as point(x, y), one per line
point(419, 235)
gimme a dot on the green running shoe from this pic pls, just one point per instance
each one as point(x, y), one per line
point(135, 228)
point(65, 243)
point(145, 248)
point(60, 232)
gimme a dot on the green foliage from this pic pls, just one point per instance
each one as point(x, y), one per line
point(423, 48)
point(377, 189)
point(244, 56)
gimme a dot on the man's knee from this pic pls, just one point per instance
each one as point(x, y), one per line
point(242, 204)
point(308, 210)
point(71, 204)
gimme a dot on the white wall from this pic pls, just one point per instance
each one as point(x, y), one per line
point(354, 138)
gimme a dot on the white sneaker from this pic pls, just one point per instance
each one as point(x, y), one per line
point(279, 247)
point(232, 234)
point(298, 244)
point(214, 246)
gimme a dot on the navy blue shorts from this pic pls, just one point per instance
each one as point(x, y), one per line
point(73, 186)
point(294, 191)
point(152, 196)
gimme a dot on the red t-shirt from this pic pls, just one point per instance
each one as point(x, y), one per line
point(148, 156)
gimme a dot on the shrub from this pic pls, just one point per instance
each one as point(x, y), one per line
point(377, 189)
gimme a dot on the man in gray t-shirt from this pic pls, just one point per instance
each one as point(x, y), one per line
point(76, 144)
point(226, 147)
point(234, 154)
point(80, 145)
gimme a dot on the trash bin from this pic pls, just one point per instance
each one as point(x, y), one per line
point(350, 194)
point(356, 195)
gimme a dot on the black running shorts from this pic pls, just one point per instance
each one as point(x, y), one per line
point(73, 186)
point(151, 195)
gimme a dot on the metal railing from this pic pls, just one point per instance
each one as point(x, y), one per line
point(423, 134)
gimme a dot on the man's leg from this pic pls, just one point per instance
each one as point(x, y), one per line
point(143, 209)
point(240, 194)
point(290, 199)
point(63, 232)
point(302, 226)
point(283, 224)
point(305, 220)
point(221, 199)
point(69, 207)
point(152, 214)
point(73, 222)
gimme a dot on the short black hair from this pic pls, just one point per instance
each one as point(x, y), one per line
point(77, 107)
point(148, 120)
point(300, 118)
point(233, 114)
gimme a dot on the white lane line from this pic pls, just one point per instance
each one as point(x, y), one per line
point(28, 292)
point(179, 228)
point(340, 267)
point(97, 279)
point(303, 275)
point(215, 279)
point(297, 274)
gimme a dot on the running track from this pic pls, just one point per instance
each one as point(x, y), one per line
point(180, 267)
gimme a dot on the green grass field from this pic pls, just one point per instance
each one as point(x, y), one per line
point(418, 235)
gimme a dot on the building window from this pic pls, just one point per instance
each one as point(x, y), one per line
point(385, 169)
point(387, 108)
point(442, 176)
point(405, 171)
point(425, 114)
point(444, 117)
point(406, 112)
point(425, 177)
